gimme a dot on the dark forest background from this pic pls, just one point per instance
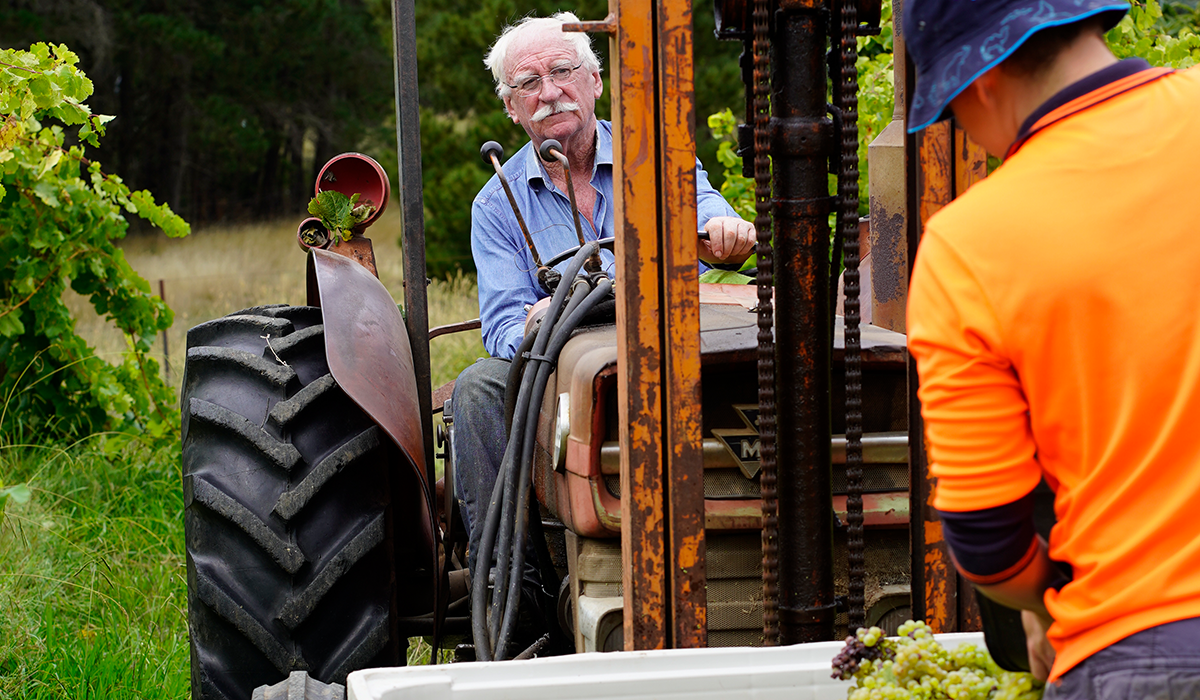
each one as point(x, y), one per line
point(226, 109)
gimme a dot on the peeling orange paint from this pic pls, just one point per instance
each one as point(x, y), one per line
point(933, 534)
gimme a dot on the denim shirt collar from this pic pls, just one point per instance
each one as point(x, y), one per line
point(535, 172)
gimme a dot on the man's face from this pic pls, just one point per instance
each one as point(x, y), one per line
point(555, 111)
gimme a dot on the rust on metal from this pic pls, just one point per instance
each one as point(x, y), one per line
point(366, 345)
point(449, 328)
point(681, 317)
point(934, 577)
point(608, 25)
point(935, 172)
point(941, 581)
point(970, 162)
point(358, 249)
point(849, 225)
point(639, 343)
point(803, 330)
point(889, 206)
point(759, 110)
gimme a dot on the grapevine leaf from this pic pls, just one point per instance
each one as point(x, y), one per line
point(10, 324)
point(45, 190)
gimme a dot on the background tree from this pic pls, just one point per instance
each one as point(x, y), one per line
point(227, 108)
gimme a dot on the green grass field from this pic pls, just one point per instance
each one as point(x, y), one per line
point(93, 599)
point(92, 573)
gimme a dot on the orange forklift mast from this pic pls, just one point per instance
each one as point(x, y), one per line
point(794, 139)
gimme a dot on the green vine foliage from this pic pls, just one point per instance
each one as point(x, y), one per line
point(60, 216)
point(876, 100)
point(1164, 35)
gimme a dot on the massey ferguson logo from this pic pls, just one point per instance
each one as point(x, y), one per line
point(743, 443)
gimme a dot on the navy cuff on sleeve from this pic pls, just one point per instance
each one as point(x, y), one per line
point(988, 543)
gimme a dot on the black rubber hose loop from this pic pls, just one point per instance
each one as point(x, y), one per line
point(504, 545)
point(562, 333)
point(605, 243)
point(479, 582)
point(510, 510)
point(513, 383)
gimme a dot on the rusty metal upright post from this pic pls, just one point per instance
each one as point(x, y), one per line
point(801, 146)
point(408, 147)
point(942, 164)
point(662, 533)
point(639, 340)
point(681, 328)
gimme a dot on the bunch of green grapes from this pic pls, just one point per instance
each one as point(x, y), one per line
point(913, 666)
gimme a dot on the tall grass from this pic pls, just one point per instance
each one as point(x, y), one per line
point(92, 578)
point(217, 271)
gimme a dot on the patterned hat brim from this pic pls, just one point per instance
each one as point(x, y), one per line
point(940, 81)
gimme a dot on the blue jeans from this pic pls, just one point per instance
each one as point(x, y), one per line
point(1161, 663)
point(479, 442)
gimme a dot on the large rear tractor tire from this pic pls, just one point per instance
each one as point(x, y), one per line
point(288, 495)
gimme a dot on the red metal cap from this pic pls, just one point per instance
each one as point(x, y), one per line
point(355, 172)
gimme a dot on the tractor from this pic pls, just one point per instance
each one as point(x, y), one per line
point(718, 465)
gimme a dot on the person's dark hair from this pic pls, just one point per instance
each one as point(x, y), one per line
point(1038, 52)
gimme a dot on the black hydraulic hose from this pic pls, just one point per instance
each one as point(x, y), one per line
point(513, 383)
point(562, 333)
point(530, 405)
point(479, 582)
point(479, 578)
point(504, 540)
point(605, 243)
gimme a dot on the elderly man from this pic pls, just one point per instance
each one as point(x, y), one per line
point(549, 81)
point(1052, 315)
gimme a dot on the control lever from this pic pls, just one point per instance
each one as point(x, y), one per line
point(492, 152)
point(551, 151)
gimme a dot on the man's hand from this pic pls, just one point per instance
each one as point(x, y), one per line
point(730, 240)
point(1041, 654)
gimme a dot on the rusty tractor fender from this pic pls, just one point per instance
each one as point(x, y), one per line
point(370, 357)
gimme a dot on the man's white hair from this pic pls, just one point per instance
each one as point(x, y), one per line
point(515, 34)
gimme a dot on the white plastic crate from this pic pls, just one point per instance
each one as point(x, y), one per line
point(800, 672)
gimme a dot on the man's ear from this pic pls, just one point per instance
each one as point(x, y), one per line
point(599, 89)
point(985, 88)
point(508, 109)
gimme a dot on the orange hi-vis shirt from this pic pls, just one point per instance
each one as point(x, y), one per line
point(1054, 315)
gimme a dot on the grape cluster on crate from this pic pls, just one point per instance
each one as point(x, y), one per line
point(914, 666)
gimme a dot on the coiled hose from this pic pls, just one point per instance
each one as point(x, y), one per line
point(505, 515)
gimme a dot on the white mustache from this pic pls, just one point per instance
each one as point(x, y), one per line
point(555, 108)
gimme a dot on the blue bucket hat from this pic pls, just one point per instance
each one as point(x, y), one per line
point(953, 42)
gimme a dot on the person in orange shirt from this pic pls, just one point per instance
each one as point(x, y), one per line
point(1052, 316)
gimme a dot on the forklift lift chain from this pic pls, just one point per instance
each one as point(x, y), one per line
point(847, 93)
point(761, 47)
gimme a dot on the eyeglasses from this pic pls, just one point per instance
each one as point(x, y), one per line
point(561, 76)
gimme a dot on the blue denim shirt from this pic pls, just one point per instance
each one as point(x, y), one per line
point(507, 274)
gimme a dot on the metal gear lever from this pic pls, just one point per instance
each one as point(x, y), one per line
point(551, 151)
point(492, 152)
